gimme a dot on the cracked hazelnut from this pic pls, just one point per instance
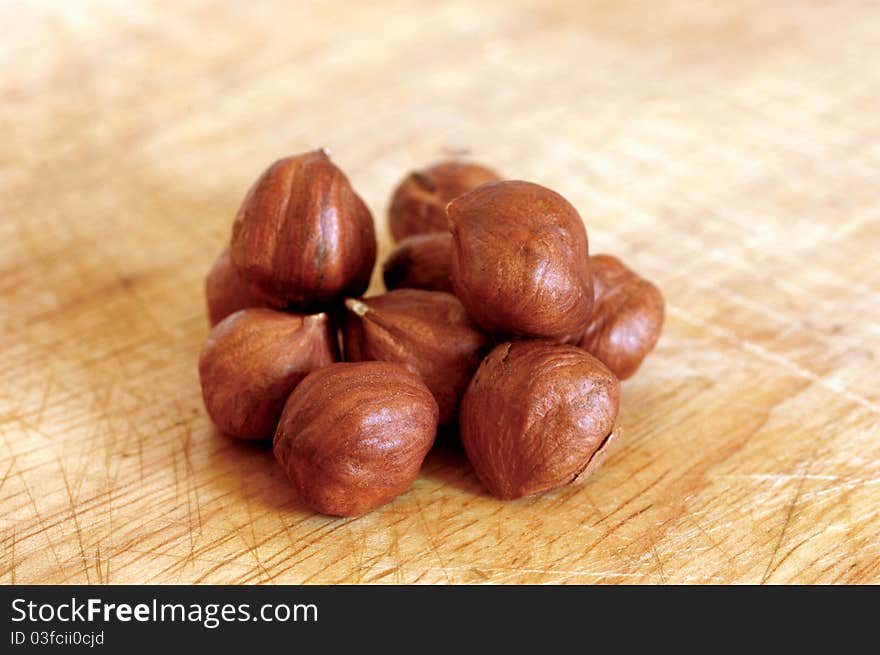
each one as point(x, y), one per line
point(420, 262)
point(251, 362)
point(303, 237)
point(418, 204)
point(536, 416)
point(429, 332)
point(520, 260)
point(226, 292)
point(353, 436)
point(627, 316)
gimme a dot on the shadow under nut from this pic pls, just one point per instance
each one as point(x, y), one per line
point(429, 332)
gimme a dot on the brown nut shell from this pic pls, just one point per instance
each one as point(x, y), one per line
point(353, 436)
point(251, 362)
point(429, 332)
point(226, 291)
point(418, 204)
point(535, 415)
point(303, 237)
point(520, 260)
point(420, 262)
point(627, 316)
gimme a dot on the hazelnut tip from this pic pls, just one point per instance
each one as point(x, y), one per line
point(356, 306)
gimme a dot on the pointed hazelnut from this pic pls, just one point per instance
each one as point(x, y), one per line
point(303, 237)
point(427, 331)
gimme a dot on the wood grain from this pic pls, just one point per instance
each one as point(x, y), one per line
point(728, 151)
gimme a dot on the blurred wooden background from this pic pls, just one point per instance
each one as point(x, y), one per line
point(728, 151)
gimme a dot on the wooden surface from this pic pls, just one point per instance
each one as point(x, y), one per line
point(729, 151)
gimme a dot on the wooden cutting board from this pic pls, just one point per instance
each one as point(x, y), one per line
point(728, 151)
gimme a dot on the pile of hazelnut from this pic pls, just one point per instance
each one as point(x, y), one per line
point(496, 316)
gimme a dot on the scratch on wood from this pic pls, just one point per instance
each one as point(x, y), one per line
point(44, 400)
point(12, 557)
point(614, 528)
point(8, 471)
point(252, 547)
point(192, 487)
point(788, 514)
point(330, 526)
point(44, 530)
point(712, 542)
point(663, 578)
point(430, 539)
point(77, 528)
point(98, 564)
point(633, 497)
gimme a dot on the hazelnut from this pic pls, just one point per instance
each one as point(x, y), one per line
point(520, 260)
point(420, 262)
point(418, 204)
point(429, 332)
point(251, 362)
point(303, 237)
point(535, 416)
point(226, 291)
point(353, 436)
point(627, 316)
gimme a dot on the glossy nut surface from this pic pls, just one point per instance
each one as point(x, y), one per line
point(427, 331)
point(520, 260)
point(535, 415)
point(418, 204)
point(420, 262)
point(627, 316)
point(303, 237)
point(251, 362)
point(353, 436)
